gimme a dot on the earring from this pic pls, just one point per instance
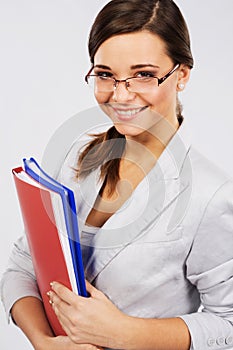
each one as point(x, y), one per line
point(181, 86)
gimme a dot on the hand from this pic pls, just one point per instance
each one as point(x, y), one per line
point(64, 343)
point(92, 320)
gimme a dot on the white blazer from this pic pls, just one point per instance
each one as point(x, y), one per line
point(167, 251)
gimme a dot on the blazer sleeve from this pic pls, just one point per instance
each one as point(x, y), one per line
point(209, 267)
point(19, 279)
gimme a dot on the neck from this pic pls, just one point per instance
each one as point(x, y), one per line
point(153, 140)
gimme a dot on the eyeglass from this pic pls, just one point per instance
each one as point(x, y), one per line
point(102, 83)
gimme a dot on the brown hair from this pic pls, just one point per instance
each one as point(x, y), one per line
point(160, 17)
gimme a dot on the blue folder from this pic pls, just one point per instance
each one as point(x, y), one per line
point(33, 169)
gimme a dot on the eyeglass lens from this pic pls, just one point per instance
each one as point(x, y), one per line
point(102, 84)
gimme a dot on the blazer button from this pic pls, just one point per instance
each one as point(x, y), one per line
point(229, 340)
point(220, 341)
point(211, 342)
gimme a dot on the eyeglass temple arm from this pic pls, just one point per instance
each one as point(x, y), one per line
point(86, 77)
point(161, 80)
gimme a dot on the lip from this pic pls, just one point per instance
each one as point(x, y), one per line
point(128, 114)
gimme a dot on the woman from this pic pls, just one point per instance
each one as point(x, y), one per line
point(156, 217)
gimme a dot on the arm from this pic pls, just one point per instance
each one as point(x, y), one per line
point(19, 279)
point(209, 267)
point(22, 301)
point(98, 321)
point(37, 328)
point(20, 294)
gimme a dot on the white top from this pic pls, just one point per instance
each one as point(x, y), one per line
point(89, 230)
point(86, 240)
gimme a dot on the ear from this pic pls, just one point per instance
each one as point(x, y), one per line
point(183, 77)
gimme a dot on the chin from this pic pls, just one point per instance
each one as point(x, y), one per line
point(129, 129)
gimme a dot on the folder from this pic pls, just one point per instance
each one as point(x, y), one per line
point(50, 219)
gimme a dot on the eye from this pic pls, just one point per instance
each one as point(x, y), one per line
point(145, 74)
point(104, 75)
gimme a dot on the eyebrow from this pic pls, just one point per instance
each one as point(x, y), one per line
point(137, 66)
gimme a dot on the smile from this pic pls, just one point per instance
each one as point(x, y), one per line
point(128, 114)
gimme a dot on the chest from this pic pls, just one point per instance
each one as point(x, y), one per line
point(109, 200)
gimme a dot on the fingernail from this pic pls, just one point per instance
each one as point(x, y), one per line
point(48, 293)
point(50, 302)
point(51, 284)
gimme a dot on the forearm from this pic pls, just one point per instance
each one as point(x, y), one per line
point(151, 334)
point(28, 313)
point(97, 320)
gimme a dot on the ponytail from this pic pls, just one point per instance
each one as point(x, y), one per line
point(104, 151)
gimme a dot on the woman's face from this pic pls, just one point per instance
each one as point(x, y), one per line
point(135, 55)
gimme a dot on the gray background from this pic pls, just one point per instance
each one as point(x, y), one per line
point(42, 63)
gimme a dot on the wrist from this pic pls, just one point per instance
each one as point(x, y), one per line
point(43, 342)
point(136, 333)
point(127, 331)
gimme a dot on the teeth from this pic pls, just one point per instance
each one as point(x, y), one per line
point(129, 113)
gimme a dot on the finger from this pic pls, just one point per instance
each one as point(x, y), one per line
point(66, 314)
point(59, 306)
point(64, 321)
point(63, 292)
point(65, 342)
point(62, 310)
point(54, 298)
point(71, 329)
point(91, 289)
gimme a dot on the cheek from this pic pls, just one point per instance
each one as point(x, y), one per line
point(102, 97)
point(164, 100)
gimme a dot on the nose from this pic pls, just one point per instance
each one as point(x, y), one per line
point(121, 92)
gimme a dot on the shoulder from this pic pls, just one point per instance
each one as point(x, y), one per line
point(210, 200)
point(211, 212)
point(206, 175)
point(67, 173)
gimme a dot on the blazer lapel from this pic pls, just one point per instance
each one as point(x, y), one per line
point(163, 189)
point(133, 221)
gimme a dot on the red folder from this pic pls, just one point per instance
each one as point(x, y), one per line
point(43, 239)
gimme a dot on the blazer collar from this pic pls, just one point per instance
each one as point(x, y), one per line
point(172, 158)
